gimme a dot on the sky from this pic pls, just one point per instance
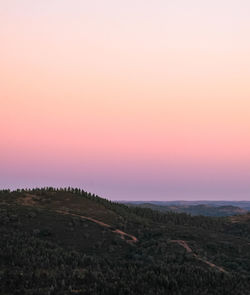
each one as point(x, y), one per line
point(131, 100)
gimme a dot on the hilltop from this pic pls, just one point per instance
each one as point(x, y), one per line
point(67, 241)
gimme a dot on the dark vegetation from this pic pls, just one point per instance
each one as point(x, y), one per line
point(51, 243)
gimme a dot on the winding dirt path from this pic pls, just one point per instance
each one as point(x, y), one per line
point(131, 239)
point(30, 200)
point(185, 245)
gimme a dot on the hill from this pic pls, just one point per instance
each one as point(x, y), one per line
point(200, 209)
point(179, 203)
point(68, 241)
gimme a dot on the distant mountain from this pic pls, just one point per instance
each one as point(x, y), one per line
point(241, 204)
point(202, 209)
point(68, 241)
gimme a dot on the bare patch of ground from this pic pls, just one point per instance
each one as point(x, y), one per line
point(28, 200)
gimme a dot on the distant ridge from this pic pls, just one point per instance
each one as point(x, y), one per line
point(206, 209)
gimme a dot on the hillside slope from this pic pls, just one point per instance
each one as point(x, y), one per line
point(68, 241)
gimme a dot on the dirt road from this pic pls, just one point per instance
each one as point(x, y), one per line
point(131, 239)
point(185, 245)
point(30, 200)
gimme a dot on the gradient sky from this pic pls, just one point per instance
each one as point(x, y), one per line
point(135, 99)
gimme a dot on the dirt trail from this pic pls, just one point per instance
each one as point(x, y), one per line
point(219, 268)
point(185, 245)
point(30, 200)
point(132, 239)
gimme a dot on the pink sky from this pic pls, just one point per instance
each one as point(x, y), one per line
point(136, 100)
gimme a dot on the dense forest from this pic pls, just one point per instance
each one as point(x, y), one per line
point(68, 241)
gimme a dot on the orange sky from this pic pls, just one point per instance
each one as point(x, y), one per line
point(140, 99)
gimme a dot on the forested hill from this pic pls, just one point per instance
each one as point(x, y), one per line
point(201, 209)
point(68, 241)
